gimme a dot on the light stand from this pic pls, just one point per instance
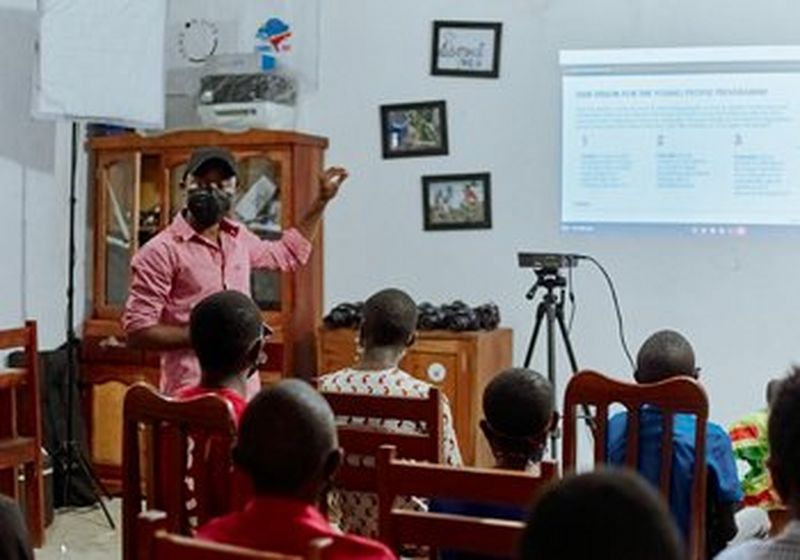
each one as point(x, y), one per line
point(70, 455)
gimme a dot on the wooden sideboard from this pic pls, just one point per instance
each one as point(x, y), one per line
point(460, 364)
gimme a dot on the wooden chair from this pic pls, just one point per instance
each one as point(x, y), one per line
point(21, 429)
point(156, 543)
point(679, 395)
point(496, 537)
point(162, 428)
point(364, 441)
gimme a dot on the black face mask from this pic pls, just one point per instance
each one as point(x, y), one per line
point(208, 205)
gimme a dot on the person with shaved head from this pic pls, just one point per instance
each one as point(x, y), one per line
point(287, 446)
point(388, 329)
point(664, 355)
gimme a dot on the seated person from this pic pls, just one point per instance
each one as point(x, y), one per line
point(227, 334)
point(751, 449)
point(603, 515)
point(664, 355)
point(387, 330)
point(14, 540)
point(518, 419)
point(784, 466)
point(287, 445)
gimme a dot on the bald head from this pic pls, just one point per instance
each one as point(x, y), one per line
point(287, 441)
point(518, 407)
point(390, 320)
point(665, 354)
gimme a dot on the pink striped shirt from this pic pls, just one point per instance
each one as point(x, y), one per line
point(179, 267)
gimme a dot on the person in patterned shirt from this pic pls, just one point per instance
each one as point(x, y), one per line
point(388, 329)
point(784, 466)
point(751, 449)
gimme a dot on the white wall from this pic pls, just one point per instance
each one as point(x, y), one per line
point(736, 299)
point(34, 168)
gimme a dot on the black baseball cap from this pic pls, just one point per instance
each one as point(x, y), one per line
point(202, 156)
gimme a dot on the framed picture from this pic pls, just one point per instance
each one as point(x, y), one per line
point(466, 48)
point(457, 201)
point(414, 129)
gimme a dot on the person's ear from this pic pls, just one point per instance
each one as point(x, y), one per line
point(332, 463)
point(412, 338)
point(488, 433)
point(778, 480)
point(361, 337)
point(552, 424)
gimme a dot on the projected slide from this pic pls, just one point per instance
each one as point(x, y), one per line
point(693, 137)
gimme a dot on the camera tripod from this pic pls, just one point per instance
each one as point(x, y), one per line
point(551, 311)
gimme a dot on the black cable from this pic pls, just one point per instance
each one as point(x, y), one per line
point(571, 295)
point(614, 297)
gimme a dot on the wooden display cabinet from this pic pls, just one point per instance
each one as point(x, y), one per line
point(136, 192)
point(459, 364)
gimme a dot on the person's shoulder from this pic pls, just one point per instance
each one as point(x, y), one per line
point(329, 381)
point(219, 529)
point(356, 547)
point(753, 550)
point(160, 247)
point(418, 387)
point(716, 434)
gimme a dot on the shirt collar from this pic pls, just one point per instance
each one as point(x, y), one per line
point(266, 507)
point(184, 231)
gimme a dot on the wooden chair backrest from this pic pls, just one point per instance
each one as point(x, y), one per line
point(21, 426)
point(23, 419)
point(364, 441)
point(468, 534)
point(162, 428)
point(678, 395)
point(157, 543)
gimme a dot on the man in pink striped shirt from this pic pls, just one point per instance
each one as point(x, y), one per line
point(204, 251)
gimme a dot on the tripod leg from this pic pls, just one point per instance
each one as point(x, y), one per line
point(573, 363)
point(550, 308)
point(540, 313)
point(88, 471)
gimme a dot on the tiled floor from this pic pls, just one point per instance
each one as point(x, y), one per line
point(83, 534)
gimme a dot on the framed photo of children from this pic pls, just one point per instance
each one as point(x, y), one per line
point(466, 48)
point(457, 201)
point(414, 129)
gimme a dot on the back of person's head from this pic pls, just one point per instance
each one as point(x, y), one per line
point(226, 333)
point(663, 355)
point(784, 439)
point(773, 387)
point(287, 441)
point(518, 409)
point(389, 320)
point(603, 515)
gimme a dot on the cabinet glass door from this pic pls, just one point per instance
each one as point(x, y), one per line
point(259, 205)
point(117, 183)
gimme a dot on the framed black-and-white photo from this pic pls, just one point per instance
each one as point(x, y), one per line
point(466, 48)
point(414, 129)
point(457, 201)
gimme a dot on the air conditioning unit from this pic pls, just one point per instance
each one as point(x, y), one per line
point(261, 100)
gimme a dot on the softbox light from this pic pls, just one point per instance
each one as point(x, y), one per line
point(101, 61)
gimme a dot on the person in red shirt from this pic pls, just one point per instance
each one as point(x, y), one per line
point(227, 335)
point(287, 445)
